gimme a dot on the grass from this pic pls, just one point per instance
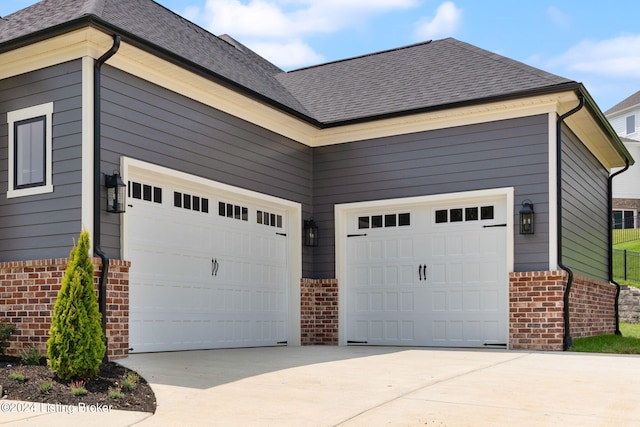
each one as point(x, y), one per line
point(633, 261)
point(628, 343)
point(633, 245)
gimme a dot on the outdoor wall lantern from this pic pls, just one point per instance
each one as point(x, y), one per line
point(116, 193)
point(310, 233)
point(526, 217)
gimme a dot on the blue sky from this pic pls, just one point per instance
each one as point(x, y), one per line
point(579, 39)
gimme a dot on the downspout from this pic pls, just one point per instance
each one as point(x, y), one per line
point(610, 243)
point(567, 341)
point(97, 178)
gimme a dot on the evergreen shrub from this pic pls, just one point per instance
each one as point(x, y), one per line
point(76, 344)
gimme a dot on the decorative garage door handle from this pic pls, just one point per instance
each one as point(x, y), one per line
point(214, 267)
point(422, 272)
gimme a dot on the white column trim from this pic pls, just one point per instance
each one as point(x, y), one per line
point(87, 145)
point(553, 193)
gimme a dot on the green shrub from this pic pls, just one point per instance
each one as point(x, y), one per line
point(17, 376)
point(30, 355)
point(129, 381)
point(76, 341)
point(77, 388)
point(46, 386)
point(115, 393)
point(6, 330)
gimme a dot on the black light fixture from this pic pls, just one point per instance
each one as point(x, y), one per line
point(526, 217)
point(310, 233)
point(116, 193)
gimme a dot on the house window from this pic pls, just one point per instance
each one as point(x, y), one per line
point(30, 149)
point(631, 124)
point(624, 219)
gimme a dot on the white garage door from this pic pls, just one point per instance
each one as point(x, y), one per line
point(207, 270)
point(428, 275)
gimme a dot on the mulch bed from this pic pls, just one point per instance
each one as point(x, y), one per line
point(141, 398)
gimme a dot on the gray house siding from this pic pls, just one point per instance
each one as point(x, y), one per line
point(507, 153)
point(585, 217)
point(44, 226)
point(143, 121)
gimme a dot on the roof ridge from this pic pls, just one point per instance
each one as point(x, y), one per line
point(366, 55)
point(95, 7)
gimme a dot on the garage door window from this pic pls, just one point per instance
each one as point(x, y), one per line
point(140, 191)
point(232, 211)
point(384, 221)
point(190, 202)
point(464, 214)
point(270, 219)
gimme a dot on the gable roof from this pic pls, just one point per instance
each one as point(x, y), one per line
point(422, 77)
point(633, 100)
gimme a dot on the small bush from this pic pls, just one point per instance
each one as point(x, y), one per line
point(129, 381)
point(30, 355)
point(77, 388)
point(46, 386)
point(6, 330)
point(17, 376)
point(115, 393)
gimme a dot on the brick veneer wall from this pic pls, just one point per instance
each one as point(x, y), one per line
point(536, 304)
point(319, 312)
point(28, 292)
point(592, 307)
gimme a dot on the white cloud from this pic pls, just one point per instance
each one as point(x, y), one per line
point(618, 57)
point(446, 22)
point(558, 17)
point(287, 54)
point(191, 13)
point(276, 28)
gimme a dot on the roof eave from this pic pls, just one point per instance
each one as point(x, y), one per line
point(606, 127)
point(47, 33)
point(565, 87)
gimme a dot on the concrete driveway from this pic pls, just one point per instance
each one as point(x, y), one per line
point(369, 386)
point(377, 386)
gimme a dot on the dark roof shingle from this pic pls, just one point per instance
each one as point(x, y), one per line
point(422, 76)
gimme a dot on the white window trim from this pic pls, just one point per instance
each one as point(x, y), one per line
point(25, 114)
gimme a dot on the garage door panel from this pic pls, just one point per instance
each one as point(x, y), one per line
point(448, 277)
point(205, 278)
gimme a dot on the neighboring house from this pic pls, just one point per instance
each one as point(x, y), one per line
point(414, 163)
point(625, 120)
